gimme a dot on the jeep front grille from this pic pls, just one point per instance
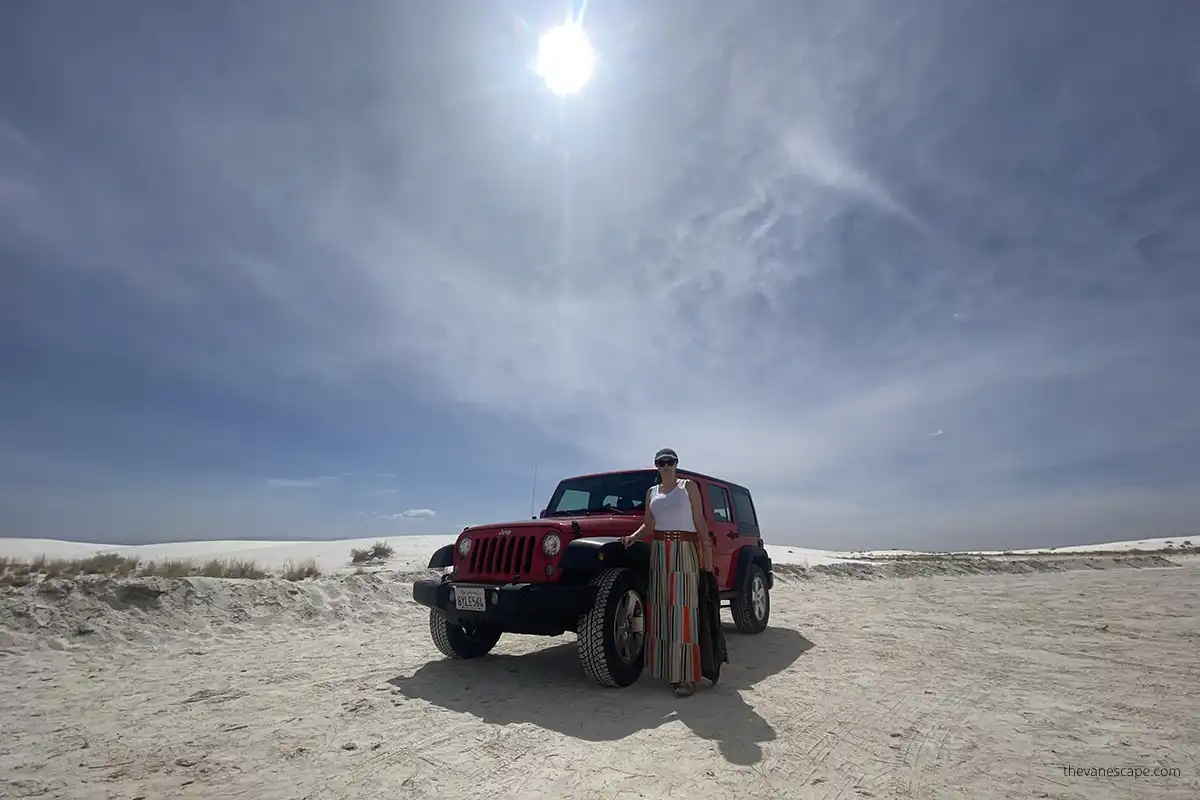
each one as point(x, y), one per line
point(502, 556)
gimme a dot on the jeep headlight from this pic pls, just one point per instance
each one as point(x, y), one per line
point(464, 546)
point(551, 544)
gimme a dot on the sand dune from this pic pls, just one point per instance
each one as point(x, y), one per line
point(962, 681)
point(412, 552)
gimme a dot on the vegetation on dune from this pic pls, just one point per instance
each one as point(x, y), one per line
point(14, 572)
point(380, 551)
point(20, 573)
point(298, 572)
point(1184, 549)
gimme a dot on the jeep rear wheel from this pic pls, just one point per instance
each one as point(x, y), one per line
point(612, 636)
point(455, 641)
point(752, 606)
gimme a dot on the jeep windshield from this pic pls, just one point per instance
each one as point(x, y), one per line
point(617, 493)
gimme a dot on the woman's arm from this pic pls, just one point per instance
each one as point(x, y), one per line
point(706, 547)
point(646, 530)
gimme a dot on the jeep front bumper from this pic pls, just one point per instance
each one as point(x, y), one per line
point(534, 608)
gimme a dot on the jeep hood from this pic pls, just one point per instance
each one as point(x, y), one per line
point(589, 525)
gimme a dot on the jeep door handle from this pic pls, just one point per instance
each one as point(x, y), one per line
point(731, 535)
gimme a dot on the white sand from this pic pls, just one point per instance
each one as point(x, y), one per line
point(973, 688)
point(413, 552)
point(1164, 543)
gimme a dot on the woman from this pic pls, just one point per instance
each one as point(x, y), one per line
point(680, 548)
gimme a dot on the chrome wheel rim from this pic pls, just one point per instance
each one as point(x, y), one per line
point(758, 597)
point(630, 626)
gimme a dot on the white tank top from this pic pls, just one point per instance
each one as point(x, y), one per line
point(673, 510)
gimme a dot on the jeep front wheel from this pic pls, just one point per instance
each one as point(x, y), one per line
point(455, 641)
point(752, 606)
point(612, 635)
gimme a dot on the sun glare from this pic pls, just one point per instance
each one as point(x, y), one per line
point(565, 59)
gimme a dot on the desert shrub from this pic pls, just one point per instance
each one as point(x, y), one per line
point(176, 568)
point(98, 564)
point(106, 564)
point(59, 568)
point(15, 578)
point(21, 573)
point(213, 568)
point(380, 551)
point(170, 568)
point(298, 572)
point(240, 568)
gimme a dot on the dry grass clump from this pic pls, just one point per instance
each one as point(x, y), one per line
point(1185, 550)
point(233, 568)
point(169, 568)
point(298, 572)
point(104, 564)
point(18, 573)
point(21, 573)
point(380, 551)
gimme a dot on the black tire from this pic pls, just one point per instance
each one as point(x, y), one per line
point(748, 616)
point(599, 651)
point(454, 641)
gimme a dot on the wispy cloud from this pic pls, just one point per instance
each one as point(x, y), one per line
point(408, 514)
point(299, 483)
point(326, 480)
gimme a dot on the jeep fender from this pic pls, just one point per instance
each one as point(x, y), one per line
point(442, 557)
point(752, 555)
point(595, 554)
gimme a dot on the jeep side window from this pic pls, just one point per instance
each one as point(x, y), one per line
point(747, 522)
point(719, 501)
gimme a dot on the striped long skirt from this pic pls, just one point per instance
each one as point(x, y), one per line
point(673, 603)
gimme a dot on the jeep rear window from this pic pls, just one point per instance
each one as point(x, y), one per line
point(744, 510)
point(625, 490)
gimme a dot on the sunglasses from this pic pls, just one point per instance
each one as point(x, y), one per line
point(666, 462)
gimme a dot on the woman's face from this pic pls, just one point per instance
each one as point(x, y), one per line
point(666, 465)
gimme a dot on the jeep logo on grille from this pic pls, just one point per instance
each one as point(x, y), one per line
point(504, 532)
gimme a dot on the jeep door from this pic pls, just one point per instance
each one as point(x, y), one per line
point(719, 509)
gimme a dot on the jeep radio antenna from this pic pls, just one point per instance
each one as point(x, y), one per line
point(533, 492)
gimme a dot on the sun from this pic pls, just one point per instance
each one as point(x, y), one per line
point(565, 59)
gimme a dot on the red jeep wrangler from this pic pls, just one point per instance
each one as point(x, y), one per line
point(566, 570)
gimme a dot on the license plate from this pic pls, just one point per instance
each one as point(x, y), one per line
point(469, 599)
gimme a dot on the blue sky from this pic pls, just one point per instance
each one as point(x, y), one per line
point(920, 274)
